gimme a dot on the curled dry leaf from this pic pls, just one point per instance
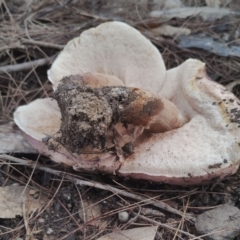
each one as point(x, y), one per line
point(17, 200)
point(133, 118)
point(90, 213)
point(143, 233)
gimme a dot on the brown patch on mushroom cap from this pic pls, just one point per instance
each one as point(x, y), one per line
point(96, 80)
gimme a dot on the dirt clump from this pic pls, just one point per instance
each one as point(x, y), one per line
point(89, 114)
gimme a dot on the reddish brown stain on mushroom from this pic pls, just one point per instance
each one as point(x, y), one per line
point(141, 111)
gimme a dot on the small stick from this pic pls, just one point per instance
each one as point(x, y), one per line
point(26, 65)
point(106, 187)
point(42, 44)
point(12, 46)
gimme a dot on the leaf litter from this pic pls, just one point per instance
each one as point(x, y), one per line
point(12, 140)
point(36, 30)
point(16, 199)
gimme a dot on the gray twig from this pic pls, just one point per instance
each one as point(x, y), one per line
point(42, 44)
point(26, 65)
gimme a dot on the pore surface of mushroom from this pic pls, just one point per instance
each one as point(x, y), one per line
point(117, 110)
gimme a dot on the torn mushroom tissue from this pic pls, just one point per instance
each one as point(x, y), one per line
point(118, 110)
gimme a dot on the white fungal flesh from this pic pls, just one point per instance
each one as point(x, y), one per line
point(39, 119)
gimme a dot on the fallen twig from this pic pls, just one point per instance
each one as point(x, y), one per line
point(106, 187)
point(42, 44)
point(12, 46)
point(26, 65)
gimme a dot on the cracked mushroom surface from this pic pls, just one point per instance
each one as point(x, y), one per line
point(117, 110)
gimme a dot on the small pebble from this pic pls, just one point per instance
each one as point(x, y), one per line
point(36, 195)
point(32, 192)
point(228, 189)
point(15, 184)
point(49, 231)
point(123, 217)
point(41, 220)
point(67, 196)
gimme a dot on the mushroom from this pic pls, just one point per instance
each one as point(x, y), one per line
point(103, 80)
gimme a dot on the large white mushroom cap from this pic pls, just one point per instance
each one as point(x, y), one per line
point(114, 49)
point(205, 147)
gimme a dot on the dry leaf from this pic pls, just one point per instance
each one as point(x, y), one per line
point(208, 44)
point(89, 211)
point(14, 201)
point(207, 13)
point(12, 140)
point(168, 30)
point(142, 233)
